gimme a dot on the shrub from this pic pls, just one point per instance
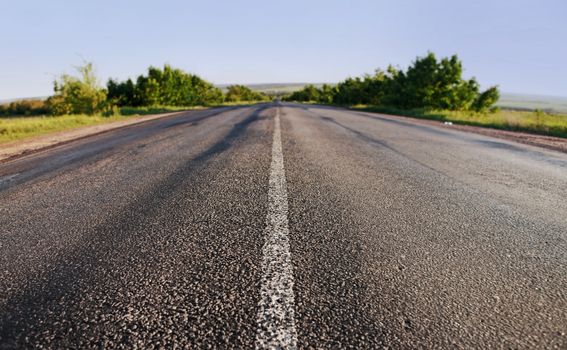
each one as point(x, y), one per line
point(78, 95)
point(486, 100)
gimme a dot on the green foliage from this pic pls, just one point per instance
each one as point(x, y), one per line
point(428, 83)
point(24, 108)
point(309, 93)
point(164, 87)
point(326, 93)
point(121, 93)
point(486, 99)
point(78, 95)
point(241, 93)
point(111, 111)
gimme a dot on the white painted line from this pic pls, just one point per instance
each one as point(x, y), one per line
point(276, 314)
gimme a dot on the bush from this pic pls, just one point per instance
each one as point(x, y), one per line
point(78, 95)
point(486, 100)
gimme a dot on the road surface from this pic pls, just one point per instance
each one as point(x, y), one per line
point(284, 225)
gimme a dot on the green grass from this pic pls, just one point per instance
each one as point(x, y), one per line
point(17, 128)
point(528, 121)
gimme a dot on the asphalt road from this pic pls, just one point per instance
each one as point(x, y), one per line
point(288, 225)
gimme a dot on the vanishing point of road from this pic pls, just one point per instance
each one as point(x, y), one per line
point(284, 226)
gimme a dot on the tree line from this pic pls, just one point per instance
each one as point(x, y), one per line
point(428, 83)
point(83, 94)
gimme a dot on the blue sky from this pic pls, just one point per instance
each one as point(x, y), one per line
point(520, 45)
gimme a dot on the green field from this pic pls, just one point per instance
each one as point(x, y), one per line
point(16, 128)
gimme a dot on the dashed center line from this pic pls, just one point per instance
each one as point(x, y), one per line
point(276, 314)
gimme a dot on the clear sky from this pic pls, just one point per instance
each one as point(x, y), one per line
point(518, 44)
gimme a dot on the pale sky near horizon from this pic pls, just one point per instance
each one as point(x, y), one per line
point(519, 45)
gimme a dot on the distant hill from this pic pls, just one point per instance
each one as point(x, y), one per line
point(530, 102)
point(274, 88)
point(10, 100)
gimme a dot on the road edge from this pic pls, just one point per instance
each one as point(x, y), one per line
point(552, 143)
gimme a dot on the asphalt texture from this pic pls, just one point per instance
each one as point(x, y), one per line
point(401, 235)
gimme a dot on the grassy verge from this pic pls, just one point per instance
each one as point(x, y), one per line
point(536, 122)
point(19, 128)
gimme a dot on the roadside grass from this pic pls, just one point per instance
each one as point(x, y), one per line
point(19, 128)
point(536, 122)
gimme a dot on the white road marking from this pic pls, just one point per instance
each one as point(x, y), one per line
point(276, 314)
